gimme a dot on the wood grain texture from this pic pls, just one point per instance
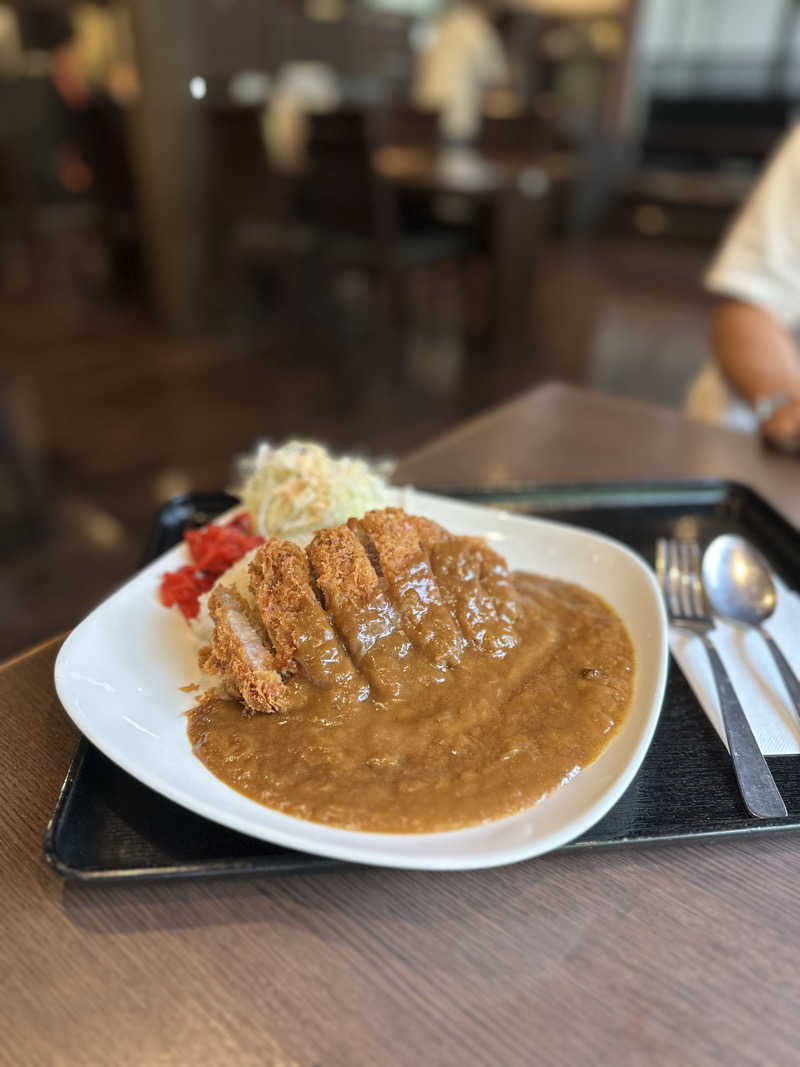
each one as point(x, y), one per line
point(671, 955)
point(560, 433)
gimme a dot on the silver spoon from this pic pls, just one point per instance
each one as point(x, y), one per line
point(740, 588)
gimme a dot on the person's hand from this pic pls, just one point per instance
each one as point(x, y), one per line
point(782, 428)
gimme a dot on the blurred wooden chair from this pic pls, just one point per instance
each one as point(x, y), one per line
point(522, 132)
point(258, 248)
point(23, 495)
point(17, 186)
point(336, 194)
point(364, 221)
point(401, 123)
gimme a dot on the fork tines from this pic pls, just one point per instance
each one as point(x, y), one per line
point(678, 567)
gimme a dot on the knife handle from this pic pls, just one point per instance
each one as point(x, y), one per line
point(756, 783)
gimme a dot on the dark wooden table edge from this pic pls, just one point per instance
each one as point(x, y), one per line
point(26, 653)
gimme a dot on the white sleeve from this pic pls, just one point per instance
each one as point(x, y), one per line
point(760, 257)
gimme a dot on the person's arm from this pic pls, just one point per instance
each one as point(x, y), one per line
point(756, 353)
point(760, 359)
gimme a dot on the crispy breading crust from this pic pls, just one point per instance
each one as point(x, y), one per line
point(366, 619)
point(365, 541)
point(240, 655)
point(395, 539)
point(387, 567)
point(428, 531)
point(405, 565)
point(301, 632)
point(280, 580)
point(343, 571)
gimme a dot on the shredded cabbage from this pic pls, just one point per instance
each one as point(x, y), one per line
point(295, 489)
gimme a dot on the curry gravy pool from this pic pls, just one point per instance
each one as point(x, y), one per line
point(439, 750)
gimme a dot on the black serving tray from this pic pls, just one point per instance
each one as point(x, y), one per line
point(108, 826)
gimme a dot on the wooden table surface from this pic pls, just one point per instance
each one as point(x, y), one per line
point(558, 433)
point(471, 171)
point(684, 953)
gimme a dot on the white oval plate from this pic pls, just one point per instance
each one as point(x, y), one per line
point(119, 674)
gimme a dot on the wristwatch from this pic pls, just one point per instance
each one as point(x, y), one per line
point(766, 406)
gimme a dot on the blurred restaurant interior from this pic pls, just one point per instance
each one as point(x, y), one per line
point(358, 221)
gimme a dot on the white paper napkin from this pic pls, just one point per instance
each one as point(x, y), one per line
point(752, 670)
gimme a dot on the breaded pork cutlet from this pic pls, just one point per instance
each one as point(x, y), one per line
point(355, 597)
point(498, 583)
point(495, 577)
point(365, 596)
point(476, 586)
point(301, 633)
point(343, 571)
point(411, 584)
point(240, 655)
point(428, 531)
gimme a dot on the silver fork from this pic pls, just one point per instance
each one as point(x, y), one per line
point(679, 574)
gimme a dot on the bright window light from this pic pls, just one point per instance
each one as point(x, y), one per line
point(197, 87)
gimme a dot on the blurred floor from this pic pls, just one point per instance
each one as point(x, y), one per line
point(108, 416)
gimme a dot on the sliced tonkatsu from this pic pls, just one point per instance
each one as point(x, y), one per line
point(355, 596)
point(477, 588)
point(302, 634)
point(241, 655)
point(373, 606)
point(411, 584)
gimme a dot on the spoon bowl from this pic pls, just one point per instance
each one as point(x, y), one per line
point(739, 586)
point(738, 581)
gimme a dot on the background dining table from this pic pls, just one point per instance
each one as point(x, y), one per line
point(670, 954)
point(519, 187)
